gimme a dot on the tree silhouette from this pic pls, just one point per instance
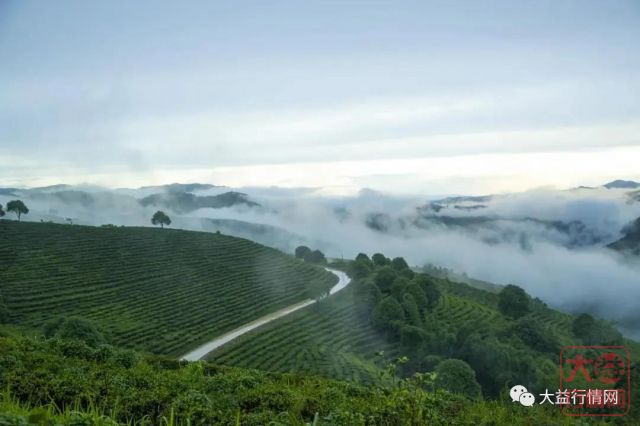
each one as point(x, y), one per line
point(513, 302)
point(302, 252)
point(17, 207)
point(1, 211)
point(160, 218)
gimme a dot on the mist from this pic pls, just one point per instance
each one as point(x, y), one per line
point(512, 244)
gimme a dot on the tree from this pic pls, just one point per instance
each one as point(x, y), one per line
point(17, 207)
point(430, 289)
point(359, 269)
point(361, 257)
point(411, 310)
point(1, 211)
point(379, 259)
point(513, 302)
point(316, 256)
point(74, 328)
point(593, 332)
point(160, 218)
point(419, 296)
point(456, 376)
point(302, 252)
point(368, 295)
point(535, 336)
point(412, 342)
point(399, 286)
point(384, 278)
point(399, 264)
point(388, 314)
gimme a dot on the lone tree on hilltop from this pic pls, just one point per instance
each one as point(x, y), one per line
point(513, 302)
point(160, 218)
point(302, 252)
point(17, 207)
point(1, 211)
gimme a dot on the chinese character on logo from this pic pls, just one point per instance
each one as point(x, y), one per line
point(598, 379)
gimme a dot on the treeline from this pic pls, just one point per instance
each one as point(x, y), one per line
point(475, 358)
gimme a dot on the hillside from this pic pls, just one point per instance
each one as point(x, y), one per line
point(343, 337)
point(630, 242)
point(65, 382)
point(163, 291)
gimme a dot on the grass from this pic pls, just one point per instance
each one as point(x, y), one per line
point(164, 291)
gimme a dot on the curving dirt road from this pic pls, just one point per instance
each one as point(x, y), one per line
point(202, 351)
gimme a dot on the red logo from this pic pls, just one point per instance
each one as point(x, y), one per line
point(595, 380)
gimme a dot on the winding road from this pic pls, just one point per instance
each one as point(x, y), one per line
point(201, 351)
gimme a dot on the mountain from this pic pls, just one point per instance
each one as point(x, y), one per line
point(630, 242)
point(461, 203)
point(185, 202)
point(89, 200)
point(622, 184)
point(492, 229)
point(181, 187)
point(10, 192)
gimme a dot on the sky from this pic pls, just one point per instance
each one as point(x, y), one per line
point(400, 96)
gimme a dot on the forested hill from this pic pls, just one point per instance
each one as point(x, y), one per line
point(160, 290)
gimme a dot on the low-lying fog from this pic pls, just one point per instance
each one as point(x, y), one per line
point(550, 242)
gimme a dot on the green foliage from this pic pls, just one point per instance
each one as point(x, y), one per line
point(1, 211)
point(74, 328)
point(388, 313)
point(163, 292)
point(535, 336)
point(302, 251)
point(593, 332)
point(513, 302)
point(17, 207)
point(4, 313)
point(368, 295)
point(457, 376)
point(359, 269)
point(46, 383)
point(430, 290)
point(379, 259)
point(363, 258)
point(384, 278)
point(399, 264)
point(412, 341)
point(160, 218)
point(411, 310)
point(316, 256)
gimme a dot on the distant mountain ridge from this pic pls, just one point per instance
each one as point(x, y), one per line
point(622, 184)
point(181, 187)
point(185, 202)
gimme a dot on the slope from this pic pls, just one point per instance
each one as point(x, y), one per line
point(164, 291)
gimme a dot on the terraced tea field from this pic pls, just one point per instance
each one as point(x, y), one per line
point(328, 339)
point(164, 291)
point(336, 342)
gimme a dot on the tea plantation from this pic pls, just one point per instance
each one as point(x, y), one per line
point(164, 291)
